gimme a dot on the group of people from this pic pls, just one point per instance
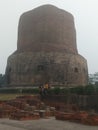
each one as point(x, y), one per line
point(43, 89)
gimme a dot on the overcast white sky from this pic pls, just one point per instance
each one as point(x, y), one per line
point(86, 21)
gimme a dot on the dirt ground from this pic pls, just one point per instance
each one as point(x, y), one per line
point(43, 124)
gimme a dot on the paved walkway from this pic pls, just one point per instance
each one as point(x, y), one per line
point(42, 124)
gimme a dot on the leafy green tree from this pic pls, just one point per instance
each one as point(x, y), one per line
point(2, 80)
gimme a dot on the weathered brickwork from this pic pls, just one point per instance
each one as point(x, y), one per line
point(47, 28)
point(46, 50)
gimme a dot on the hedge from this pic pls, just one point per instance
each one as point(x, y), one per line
point(80, 90)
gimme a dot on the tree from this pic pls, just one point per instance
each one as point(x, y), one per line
point(2, 80)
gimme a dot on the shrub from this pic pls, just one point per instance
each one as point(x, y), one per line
point(90, 89)
point(56, 90)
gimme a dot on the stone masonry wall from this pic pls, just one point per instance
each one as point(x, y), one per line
point(54, 68)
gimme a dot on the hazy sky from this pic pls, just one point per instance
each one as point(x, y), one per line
point(86, 21)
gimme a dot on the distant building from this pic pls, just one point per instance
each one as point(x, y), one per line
point(93, 78)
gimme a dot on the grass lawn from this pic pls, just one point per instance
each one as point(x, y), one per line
point(9, 96)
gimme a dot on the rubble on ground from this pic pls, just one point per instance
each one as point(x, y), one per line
point(25, 108)
point(32, 108)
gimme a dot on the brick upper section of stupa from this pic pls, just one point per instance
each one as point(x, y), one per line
point(47, 28)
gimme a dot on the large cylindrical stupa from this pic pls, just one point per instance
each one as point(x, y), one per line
point(46, 50)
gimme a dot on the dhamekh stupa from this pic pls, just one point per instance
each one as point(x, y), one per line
point(46, 50)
